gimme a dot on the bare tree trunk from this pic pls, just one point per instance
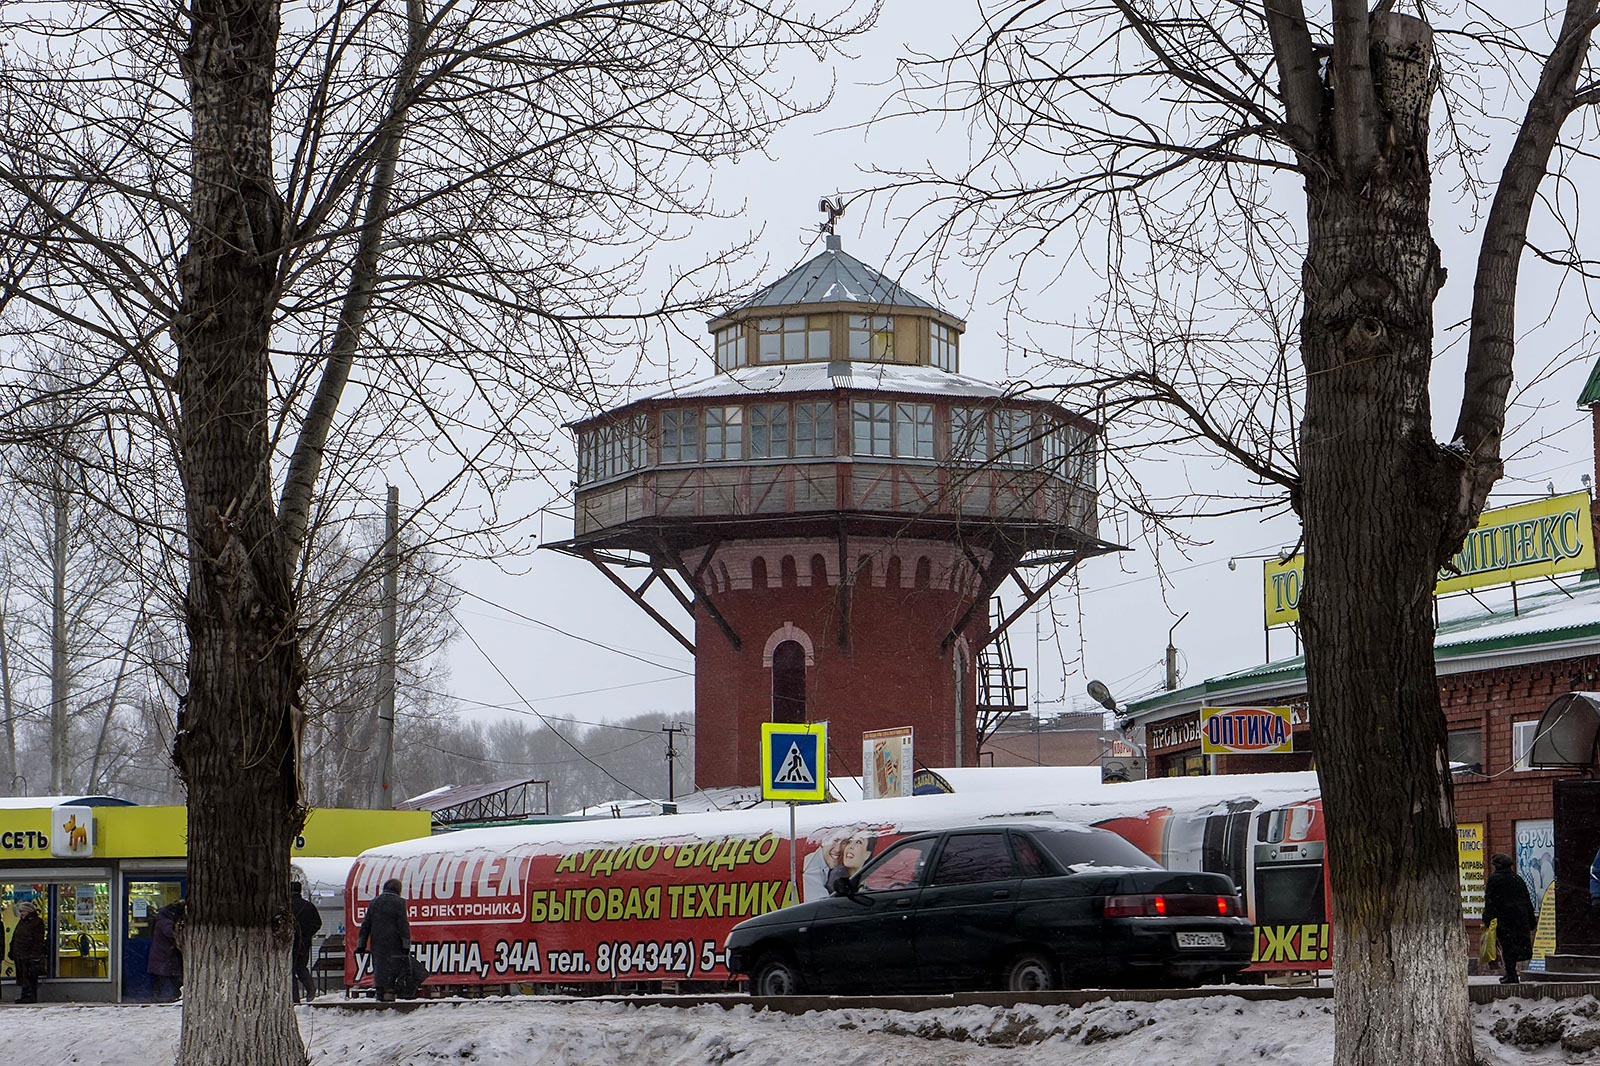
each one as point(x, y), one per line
point(60, 544)
point(111, 705)
point(237, 737)
point(1372, 539)
point(8, 706)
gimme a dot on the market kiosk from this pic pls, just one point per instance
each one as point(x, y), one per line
point(99, 870)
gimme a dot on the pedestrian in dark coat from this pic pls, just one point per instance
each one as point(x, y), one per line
point(1506, 900)
point(306, 923)
point(388, 932)
point(165, 963)
point(29, 951)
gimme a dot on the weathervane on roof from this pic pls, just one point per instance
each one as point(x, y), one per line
point(833, 209)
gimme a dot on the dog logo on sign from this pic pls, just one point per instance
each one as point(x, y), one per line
point(74, 832)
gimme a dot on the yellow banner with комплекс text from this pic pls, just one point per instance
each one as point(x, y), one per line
point(1542, 538)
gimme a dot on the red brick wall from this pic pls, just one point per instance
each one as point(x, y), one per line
point(1491, 700)
point(889, 673)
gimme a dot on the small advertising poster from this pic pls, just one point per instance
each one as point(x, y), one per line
point(1536, 856)
point(886, 768)
point(1120, 762)
point(1469, 854)
point(1544, 934)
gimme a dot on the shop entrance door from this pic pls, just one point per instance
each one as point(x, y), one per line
point(141, 900)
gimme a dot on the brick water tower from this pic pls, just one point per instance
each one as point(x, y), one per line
point(835, 507)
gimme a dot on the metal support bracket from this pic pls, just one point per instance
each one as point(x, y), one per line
point(1000, 564)
point(637, 596)
point(702, 596)
point(1032, 596)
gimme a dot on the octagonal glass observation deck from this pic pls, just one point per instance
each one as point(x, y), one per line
point(836, 398)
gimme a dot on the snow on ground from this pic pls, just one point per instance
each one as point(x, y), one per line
point(1214, 1031)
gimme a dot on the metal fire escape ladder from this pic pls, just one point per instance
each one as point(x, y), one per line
point(1002, 685)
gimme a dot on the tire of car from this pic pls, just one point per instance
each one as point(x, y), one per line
point(1031, 971)
point(776, 975)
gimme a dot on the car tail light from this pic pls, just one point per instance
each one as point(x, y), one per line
point(1163, 905)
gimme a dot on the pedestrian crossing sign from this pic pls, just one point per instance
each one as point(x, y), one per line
point(794, 762)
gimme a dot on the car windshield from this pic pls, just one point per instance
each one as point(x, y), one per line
point(1092, 847)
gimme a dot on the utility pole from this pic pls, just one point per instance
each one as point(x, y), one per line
point(672, 729)
point(388, 652)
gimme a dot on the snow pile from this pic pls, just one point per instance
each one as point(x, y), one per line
point(1572, 1025)
point(1210, 1031)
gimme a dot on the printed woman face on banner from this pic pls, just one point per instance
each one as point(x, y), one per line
point(857, 850)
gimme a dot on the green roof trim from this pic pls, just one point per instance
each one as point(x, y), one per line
point(1591, 388)
point(1454, 641)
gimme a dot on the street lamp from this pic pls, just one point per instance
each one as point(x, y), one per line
point(1102, 695)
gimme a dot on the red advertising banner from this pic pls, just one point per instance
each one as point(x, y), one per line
point(650, 899)
point(644, 910)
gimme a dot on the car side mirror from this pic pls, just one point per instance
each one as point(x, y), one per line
point(845, 886)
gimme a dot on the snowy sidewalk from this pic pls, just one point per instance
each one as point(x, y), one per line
point(1214, 1031)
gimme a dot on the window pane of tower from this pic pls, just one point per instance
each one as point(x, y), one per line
point(872, 429)
point(730, 347)
point(1011, 432)
point(769, 431)
point(872, 337)
point(794, 340)
point(813, 429)
point(680, 436)
point(585, 456)
point(724, 433)
point(636, 433)
point(969, 434)
point(771, 349)
point(913, 423)
point(941, 346)
point(818, 346)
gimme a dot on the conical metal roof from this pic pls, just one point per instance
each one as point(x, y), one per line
point(834, 276)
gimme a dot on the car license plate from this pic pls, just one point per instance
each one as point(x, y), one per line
point(1202, 940)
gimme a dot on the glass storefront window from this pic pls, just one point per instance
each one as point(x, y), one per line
point(145, 899)
point(10, 896)
point(82, 929)
point(78, 917)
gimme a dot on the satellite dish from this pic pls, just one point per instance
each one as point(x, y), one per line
point(1102, 695)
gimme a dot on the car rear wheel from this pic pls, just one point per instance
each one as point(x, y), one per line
point(1031, 971)
point(775, 975)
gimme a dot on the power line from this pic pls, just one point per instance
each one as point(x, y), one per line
point(516, 709)
point(557, 629)
point(526, 762)
point(559, 736)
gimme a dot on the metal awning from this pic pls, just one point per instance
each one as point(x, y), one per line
point(1567, 734)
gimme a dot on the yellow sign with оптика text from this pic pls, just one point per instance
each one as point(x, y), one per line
point(1246, 730)
point(1538, 539)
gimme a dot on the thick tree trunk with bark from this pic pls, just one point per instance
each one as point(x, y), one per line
point(1373, 506)
point(236, 745)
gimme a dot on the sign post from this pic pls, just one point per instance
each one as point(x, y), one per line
point(794, 768)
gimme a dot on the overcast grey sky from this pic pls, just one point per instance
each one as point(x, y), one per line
point(1114, 625)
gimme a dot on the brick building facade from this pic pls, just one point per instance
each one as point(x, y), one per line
point(1499, 668)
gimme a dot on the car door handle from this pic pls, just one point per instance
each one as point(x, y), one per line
point(904, 901)
point(1001, 893)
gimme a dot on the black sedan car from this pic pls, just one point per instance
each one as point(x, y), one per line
point(1015, 907)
